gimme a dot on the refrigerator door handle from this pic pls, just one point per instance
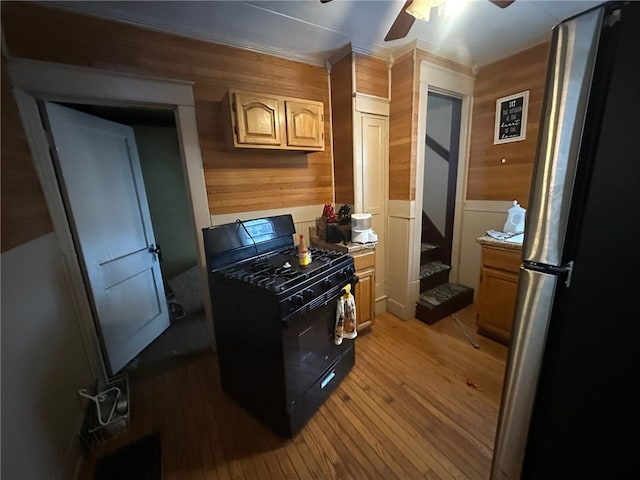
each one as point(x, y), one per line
point(536, 291)
point(571, 65)
point(569, 269)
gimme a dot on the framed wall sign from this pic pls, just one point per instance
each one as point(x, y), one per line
point(511, 118)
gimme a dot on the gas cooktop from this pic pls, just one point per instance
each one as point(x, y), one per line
point(280, 271)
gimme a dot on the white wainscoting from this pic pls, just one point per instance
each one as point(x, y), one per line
point(404, 249)
point(478, 217)
point(403, 284)
point(44, 363)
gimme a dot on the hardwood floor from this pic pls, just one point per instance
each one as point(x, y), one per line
point(421, 402)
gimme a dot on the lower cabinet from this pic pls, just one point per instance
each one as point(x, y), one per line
point(365, 288)
point(497, 292)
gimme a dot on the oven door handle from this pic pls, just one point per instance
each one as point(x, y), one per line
point(327, 297)
point(353, 280)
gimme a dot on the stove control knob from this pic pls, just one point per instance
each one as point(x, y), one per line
point(297, 301)
point(326, 283)
point(308, 294)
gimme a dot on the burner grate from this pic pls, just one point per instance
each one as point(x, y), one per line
point(280, 272)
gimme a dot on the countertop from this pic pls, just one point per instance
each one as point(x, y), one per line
point(487, 240)
point(340, 247)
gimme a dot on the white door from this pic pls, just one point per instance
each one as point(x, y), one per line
point(373, 145)
point(101, 181)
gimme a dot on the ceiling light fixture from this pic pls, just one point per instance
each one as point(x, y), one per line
point(421, 9)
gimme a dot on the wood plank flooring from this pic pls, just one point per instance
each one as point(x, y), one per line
point(406, 410)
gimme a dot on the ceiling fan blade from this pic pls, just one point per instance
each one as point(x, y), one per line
point(325, 1)
point(401, 25)
point(502, 3)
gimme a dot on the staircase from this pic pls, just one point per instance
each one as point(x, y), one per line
point(438, 297)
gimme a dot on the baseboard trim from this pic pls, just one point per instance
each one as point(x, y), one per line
point(398, 309)
point(381, 304)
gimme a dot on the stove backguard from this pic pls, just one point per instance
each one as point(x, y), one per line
point(233, 242)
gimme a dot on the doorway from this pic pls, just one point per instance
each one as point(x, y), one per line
point(168, 200)
point(442, 152)
point(36, 81)
point(442, 140)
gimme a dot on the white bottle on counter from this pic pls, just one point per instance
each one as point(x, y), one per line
point(515, 219)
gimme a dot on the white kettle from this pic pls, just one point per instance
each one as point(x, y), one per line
point(515, 219)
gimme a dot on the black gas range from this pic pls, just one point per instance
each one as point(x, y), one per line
point(274, 320)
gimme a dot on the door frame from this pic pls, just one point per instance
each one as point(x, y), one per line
point(35, 80)
point(454, 84)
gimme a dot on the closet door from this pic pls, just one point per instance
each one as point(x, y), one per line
point(372, 147)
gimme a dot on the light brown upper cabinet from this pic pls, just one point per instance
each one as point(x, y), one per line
point(304, 123)
point(260, 120)
point(257, 119)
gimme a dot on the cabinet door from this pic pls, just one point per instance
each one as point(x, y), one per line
point(365, 298)
point(258, 119)
point(305, 124)
point(498, 290)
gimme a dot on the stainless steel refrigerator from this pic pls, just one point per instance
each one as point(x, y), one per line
point(568, 405)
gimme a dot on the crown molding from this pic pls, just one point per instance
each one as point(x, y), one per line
point(377, 51)
point(339, 54)
point(417, 44)
point(465, 60)
point(402, 50)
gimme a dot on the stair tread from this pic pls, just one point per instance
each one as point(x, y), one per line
point(432, 268)
point(442, 293)
point(425, 247)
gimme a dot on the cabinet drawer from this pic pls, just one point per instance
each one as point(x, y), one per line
point(364, 259)
point(501, 259)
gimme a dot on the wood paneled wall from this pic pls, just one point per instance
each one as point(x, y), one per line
point(24, 211)
point(402, 148)
point(342, 112)
point(372, 76)
point(403, 119)
point(236, 180)
point(489, 179)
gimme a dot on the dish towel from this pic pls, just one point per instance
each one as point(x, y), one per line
point(501, 235)
point(346, 323)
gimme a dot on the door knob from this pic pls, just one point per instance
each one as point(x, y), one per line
point(156, 249)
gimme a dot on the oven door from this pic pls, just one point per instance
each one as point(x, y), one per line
point(309, 347)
